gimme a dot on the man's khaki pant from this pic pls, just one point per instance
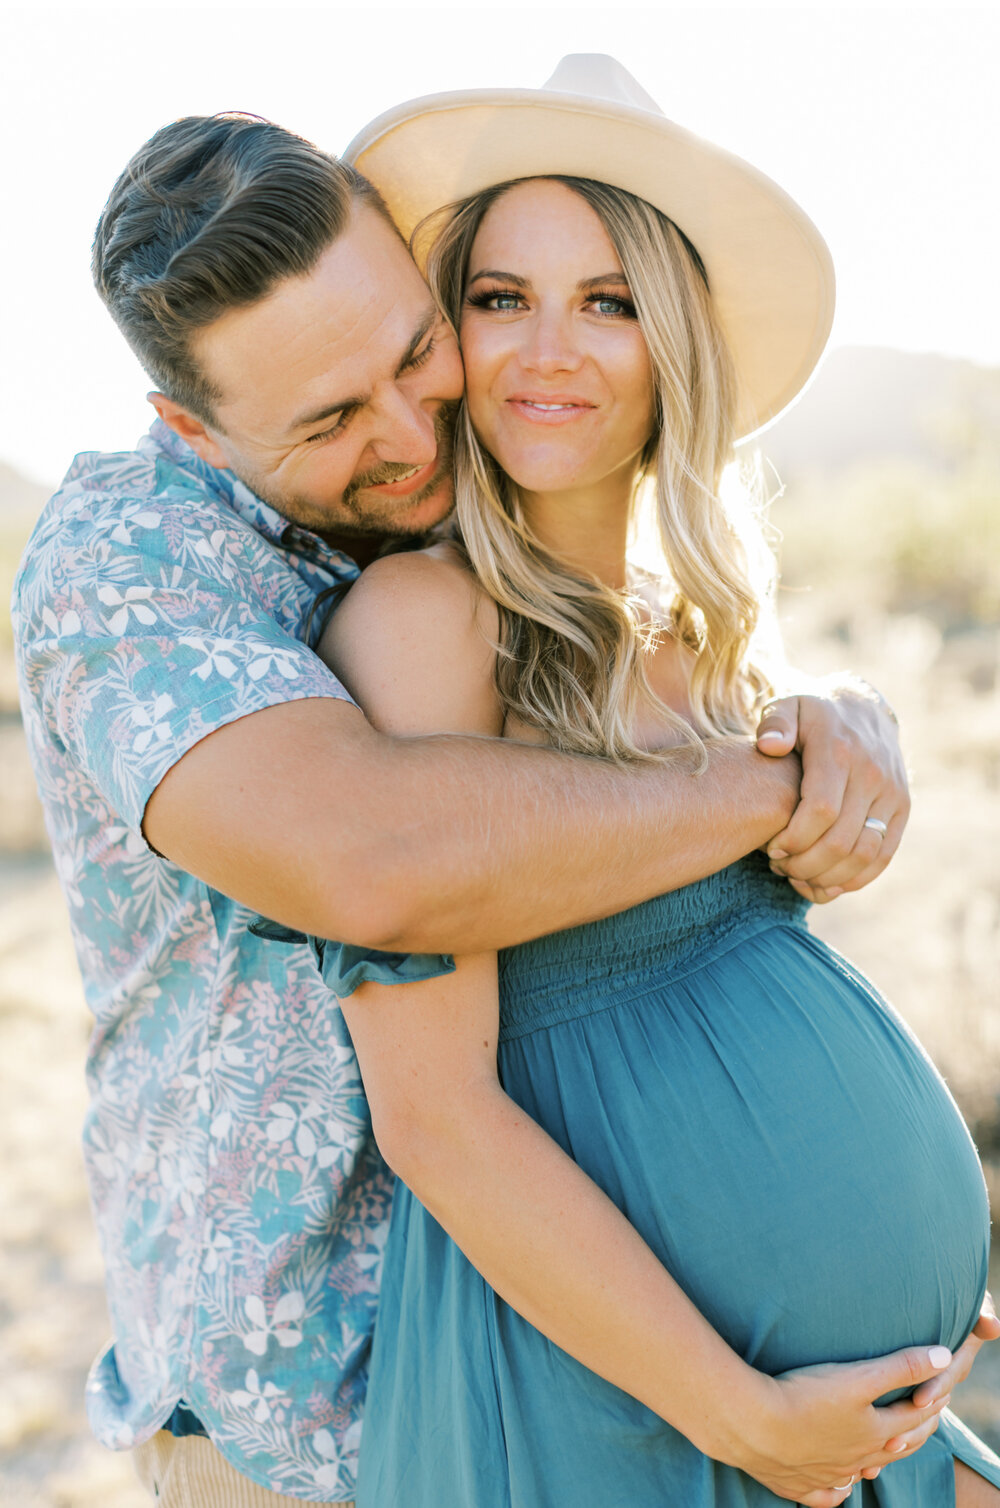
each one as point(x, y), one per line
point(188, 1472)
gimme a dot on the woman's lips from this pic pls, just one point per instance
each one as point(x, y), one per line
point(550, 409)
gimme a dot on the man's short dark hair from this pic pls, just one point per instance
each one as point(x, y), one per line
point(210, 215)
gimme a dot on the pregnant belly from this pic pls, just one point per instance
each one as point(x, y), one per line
point(784, 1145)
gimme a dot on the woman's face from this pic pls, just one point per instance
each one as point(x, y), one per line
point(558, 378)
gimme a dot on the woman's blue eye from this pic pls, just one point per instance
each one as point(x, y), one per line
point(611, 304)
point(502, 300)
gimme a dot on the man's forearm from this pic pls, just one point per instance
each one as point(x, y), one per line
point(539, 841)
point(304, 813)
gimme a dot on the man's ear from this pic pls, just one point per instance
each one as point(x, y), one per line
point(191, 430)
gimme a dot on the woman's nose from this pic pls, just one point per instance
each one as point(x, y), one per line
point(550, 346)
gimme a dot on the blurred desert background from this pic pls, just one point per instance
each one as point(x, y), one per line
point(890, 525)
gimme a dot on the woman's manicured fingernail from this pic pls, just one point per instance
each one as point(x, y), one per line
point(939, 1357)
point(771, 733)
point(833, 892)
point(776, 853)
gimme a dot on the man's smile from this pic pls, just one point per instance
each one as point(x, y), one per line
point(410, 481)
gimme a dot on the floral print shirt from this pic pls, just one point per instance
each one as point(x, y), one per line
point(241, 1203)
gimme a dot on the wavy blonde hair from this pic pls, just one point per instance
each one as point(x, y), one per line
point(571, 651)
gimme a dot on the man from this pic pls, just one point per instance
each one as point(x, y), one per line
point(199, 765)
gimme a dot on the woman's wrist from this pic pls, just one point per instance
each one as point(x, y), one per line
point(740, 1431)
point(756, 1425)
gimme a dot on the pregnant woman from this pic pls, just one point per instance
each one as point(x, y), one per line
point(803, 1186)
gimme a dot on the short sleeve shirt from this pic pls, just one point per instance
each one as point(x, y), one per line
point(240, 1200)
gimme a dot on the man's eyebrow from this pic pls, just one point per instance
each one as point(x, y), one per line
point(429, 320)
point(358, 400)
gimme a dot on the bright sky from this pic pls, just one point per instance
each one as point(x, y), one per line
point(883, 122)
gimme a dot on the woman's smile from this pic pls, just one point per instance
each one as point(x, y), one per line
point(540, 409)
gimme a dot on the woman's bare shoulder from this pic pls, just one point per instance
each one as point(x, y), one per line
point(413, 643)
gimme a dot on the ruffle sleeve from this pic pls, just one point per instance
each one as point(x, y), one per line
point(344, 966)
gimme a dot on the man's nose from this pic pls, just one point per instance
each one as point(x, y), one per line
point(405, 429)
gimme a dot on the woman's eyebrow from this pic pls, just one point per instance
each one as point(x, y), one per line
point(514, 280)
point(506, 277)
point(605, 277)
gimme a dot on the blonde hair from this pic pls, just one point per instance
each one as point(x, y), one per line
point(571, 651)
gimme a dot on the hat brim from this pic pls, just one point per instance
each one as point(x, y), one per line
point(768, 267)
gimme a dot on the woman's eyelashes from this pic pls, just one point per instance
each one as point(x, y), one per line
point(623, 307)
point(606, 304)
point(502, 300)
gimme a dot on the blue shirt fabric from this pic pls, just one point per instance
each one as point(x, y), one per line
point(240, 1200)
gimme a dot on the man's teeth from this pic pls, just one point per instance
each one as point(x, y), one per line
point(404, 476)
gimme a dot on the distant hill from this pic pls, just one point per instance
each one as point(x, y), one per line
point(870, 404)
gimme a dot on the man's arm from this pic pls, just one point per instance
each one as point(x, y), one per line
point(309, 815)
point(325, 821)
point(414, 843)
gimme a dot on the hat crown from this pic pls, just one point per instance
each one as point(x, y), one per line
point(601, 77)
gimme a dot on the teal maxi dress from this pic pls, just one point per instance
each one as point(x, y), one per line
point(776, 1135)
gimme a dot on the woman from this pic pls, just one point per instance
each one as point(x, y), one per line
point(796, 1183)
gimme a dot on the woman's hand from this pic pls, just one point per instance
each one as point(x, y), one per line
point(852, 773)
point(818, 1431)
point(987, 1328)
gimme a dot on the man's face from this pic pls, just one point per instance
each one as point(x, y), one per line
point(339, 391)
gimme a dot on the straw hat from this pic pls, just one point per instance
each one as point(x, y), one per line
point(768, 267)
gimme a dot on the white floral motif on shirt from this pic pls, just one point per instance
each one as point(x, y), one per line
point(153, 721)
point(133, 601)
point(291, 1306)
point(256, 1397)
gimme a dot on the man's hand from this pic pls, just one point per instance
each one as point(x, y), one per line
point(987, 1328)
point(852, 775)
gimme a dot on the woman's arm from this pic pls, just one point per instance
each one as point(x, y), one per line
point(545, 1237)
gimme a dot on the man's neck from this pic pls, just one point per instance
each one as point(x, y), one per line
point(361, 548)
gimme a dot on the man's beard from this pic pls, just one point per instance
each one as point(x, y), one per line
point(380, 517)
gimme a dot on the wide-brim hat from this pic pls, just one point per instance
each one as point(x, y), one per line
point(769, 269)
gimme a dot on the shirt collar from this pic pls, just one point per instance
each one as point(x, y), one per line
point(226, 487)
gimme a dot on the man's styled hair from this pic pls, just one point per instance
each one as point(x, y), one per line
point(209, 216)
